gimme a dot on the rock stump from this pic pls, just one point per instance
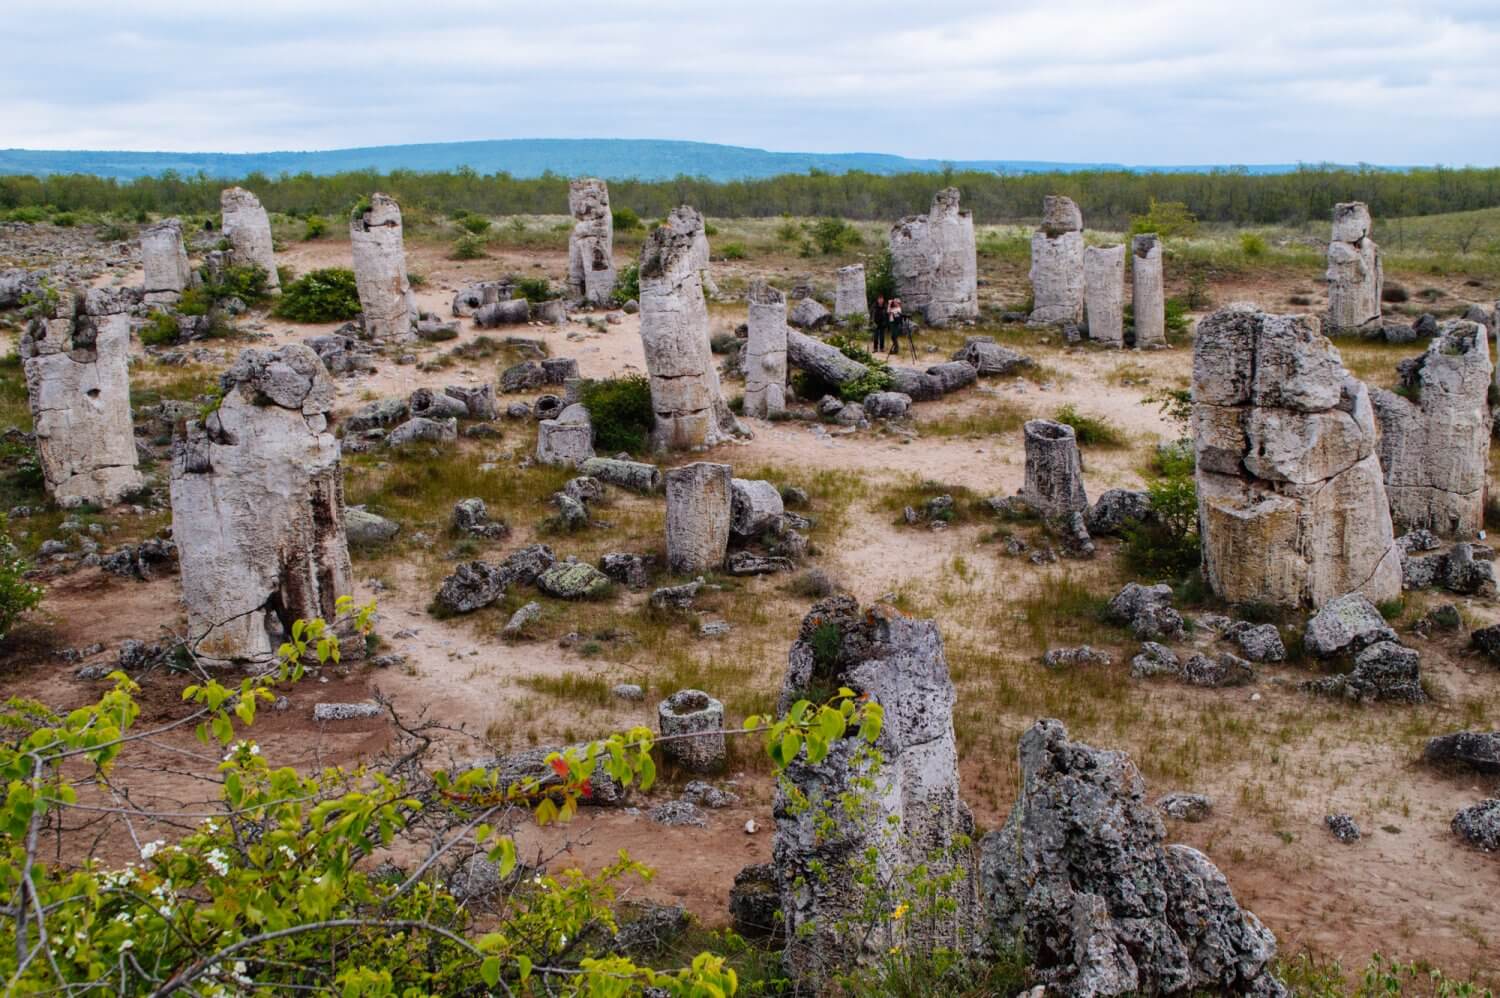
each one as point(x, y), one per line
point(1104, 293)
point(694, 713)
point(1148, 297)
point(1057, 278)
point(699, 498)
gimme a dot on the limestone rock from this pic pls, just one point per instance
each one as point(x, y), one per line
point(827, 362)
point(1223, 669)
point(573, 580)
point(1054, 472)
point(634, 475)
point(566, 440)
point(1343, 827)
point(1117, 508)
point(676, 597)
point(248, 229)
point(1148, 297)
point(472, 516)
point(934, 262)
point(1258, 642)
point(473, 585)
point(1058, 658)
point(1104, 293)
point(428, 404)
point(887, 405)
point(418, 430)
point(1355, 273)
point(1154, 660)
point(692, 728)
point(988, 357)
point(165, 262)
point(631, 570)
point(755, 508)
point(472, 297)
point(591, 245)
point(1057, 261)
point(376, 414)
point(1479, 825)
point(385, 296)
point(849, 298)
point(750, 563)
point(478, 401)
point(1147, 611)
point(1347, 624)
point(755, 902)
point(365, 529)
point(1185, 806)
point(1474, 750)
point(698, 517)
point(513, 312)
point(765, 352)
point(809, 313)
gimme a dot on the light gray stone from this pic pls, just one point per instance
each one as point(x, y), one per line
point(591, 245)
point(934, 262)
point(1355, 272)
point(165, 262)
point(566, 440)
point(1148, 296)
point(699, 498)
point(1057, 274)
point(1104, 293)
point(849, 300)
point(1346, 624)
point(755, 508)
point(765, 352)
point(248, 229)
point(693, 722)
point(1054, 472)
point(385, 295)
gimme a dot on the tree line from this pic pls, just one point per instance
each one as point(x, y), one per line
point(1107, 197)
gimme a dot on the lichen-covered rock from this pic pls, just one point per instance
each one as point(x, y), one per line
point(1435, 440)
point(1054, 471)
point(1350, 623)
point(418, 430)
point(755, 508)
point(699, 498)
point(573, 580)
point(248, 229)
point(1154, 660)
point(750, 563)
point(887, 405)
point(765, 352)
point(676, 597)
point(636, 476)
point(934, 262)
point(258, 506)
point(1258, 642)
point(633, 570)
point(385, 296)
point(1475, 750)
point(377, 414)
point(1116, 509)
point(849, 297)
point(473, 585)
point(1058, 658)
point(1463, 571)
point(692, 730)
point(1386, 671)
point(366, 529)
point(591, 244)
point(1147, 611)
point(1479, 825)
point(1148, 297)
point(1104, 293)
point(1223, 669)
point(1185, 806)
point(1355, 273)
point(1080, 876)
point(755, 902)
point(1291, 497)
point(75, 356)
point(164, 261)
point(1057, 277)
point(472, 516)
point(566, 440)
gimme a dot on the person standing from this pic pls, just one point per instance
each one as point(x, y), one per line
point(893, 321)
point(878, 321)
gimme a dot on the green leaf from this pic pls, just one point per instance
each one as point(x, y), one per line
point(490, 970)
point(523, 966)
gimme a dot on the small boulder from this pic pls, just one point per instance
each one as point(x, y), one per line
point(365, 529)
point(1155, 660)
point(1058, 658)
point(1187, 807)
point(1474, 750)
point(1147, 611)
point(1116, 508)
point(472, 585)
point(1343, 828)
point(573, 580)
point(676, 597)
point(1346, 624)
point(1258, 642)
point(1479, 825)
point(1223, 669)
point(755, 902)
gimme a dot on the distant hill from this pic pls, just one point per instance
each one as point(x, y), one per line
point(614, 159)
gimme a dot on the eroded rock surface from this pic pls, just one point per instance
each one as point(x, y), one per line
point(765, 352)
point(165, 262)
point(1104, 293)
point(1057, 262)
point(248, 229)
point(591, 245)
point(1355, 272)
point(385, 296)
point(934, 262)
point(1148, 296)
point(699, 499)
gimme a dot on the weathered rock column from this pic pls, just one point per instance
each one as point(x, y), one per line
point(1291, 499)
point(390, 310)
point(76, 360)
point(566, 440)
point(698, 516)
point(248, 229)
point(1148, 296)
point(935, 263)
point(849, 300)
point(689, 406)
point(908, 815)
point(1435, 441)
point(1057, 280)
point(591, 246)
point(1104, 293)
point(1355, 272)
point(165, 261)
point(1054, 472)
point(695, 713)
point(765, 352)
point(258, 506)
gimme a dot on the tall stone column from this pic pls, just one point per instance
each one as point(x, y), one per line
point(699, 501)
point(591, 246)
point(765, 352)
point(1355, 272)
point(75, 357)
point(849, 300)
point(1104, 293)
point(165, 262)
point(1054, 471)
point(258, 506)
point(248, 229)
point(685, 394)
point(385, 296)
point(934, 261)
point(1148, 297)
point(1057, 281)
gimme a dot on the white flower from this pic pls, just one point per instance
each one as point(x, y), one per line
point(126, 943)
point(152, 848)
point(219, 861)
point(287, 851)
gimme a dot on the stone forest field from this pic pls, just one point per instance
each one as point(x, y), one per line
point(895, 512)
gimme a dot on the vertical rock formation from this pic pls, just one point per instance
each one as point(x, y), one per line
point(566, 440)
point(1435, 441)
point(1057, 281)
point(1104, 293)
point(75, 357)
point(1054, 472)
point(1355, 273)
point(248, 229)
point(765, 352)
point(165, 261)
point(591, 247)
point(934, 261)
point(1291, 498)
point(685, 395)
point(258, 506)
point(699, 501)
point(1148, 296)
point(899, 822)
point(390, 310)
point(849, 299)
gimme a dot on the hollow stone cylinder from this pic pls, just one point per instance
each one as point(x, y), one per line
point(1054, 472)
point(699, 503)
point(1057, 281)
point(693, 713)
point(765, 352)
point(591, 246)
point(1104, 293)
point(1355, 273)
point(248, 229)
point(165, 261)
point(385, 296)
point(849, 299)
point(1148, 302)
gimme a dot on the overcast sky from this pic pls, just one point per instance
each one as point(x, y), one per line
point(1133, 81)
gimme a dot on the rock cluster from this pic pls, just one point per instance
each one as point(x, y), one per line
point(591, 245)
point(934, 262)
point(765, 352)
point(248, 229)
point(385, 296)
point(1057, 265)
point(1355, 273)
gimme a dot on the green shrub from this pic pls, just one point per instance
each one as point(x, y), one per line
point(733, 251)
point(316, 227)
point(1176, 316)
point(627, 285)
point(114, 232)
point(625, 219)
point(17, 593)
point(65, 219)
point(1252, 245)
point(30, 214)
point(788, 231)
point(620, 409)
point(326, 295)
point(710, 229)
point(880, 277)
point(160, 329)
point(468, 248)
point(1166, 219)
point(476, 224)
point(1167, 545)
point(877, 380)
point(1089, 430)
point(535, 289)
point(361, 206)
point(834, 235)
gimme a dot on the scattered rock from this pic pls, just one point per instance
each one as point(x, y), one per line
point(1343, 828)
point(1186, 806)
point(1475, 750)
point(346, 711)
point(709, 796)
point(1258, 642)
point(1058, 658)
point(1154, 660)
point(573, 580)
point(1223, 669)
point(365, 529)
point(1347, 624)
point(1147, 611)
point(678, 814)
point(522, 619)
point(1479, 825)
point(676, 597)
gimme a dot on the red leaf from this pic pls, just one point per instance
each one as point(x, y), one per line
point(586, 788)
point(560, 767)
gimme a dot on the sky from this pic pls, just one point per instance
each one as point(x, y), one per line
point(1161, 82)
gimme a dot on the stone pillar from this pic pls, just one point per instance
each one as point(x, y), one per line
point(693, 712)
point(934, 262)
point(1291, 499)
point(385, 295)
point(864, 819)
point(1148, 297)
point(689, 406)
point(1435, 441)
point(1054, 472)
point(765, 352)
point(698, 516)
point(248, 229)
point(1104, 293)
point(258, 506)
point(1355, 273)
point(591, 247)
point(849, 299)
point(1057, 281)
point(165, 261)
point(75, 357)
point(566, 440)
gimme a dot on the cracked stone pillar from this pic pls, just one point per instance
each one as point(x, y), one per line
point(390, 310)
point(849, 299)
point(1355, 273)
point(591, 246)
point(685, 394)
point(165, 261)
point(765, 352)
point(848, 820)
point(1291, 498)
point(934, 262)
point(75, 358)
point(1104, 293)
point(258, 506)
point(1435, 434)
point(1054, 471)
point(699, 498)
point(1057, 281)
point(248, 229)
point(1148, 297)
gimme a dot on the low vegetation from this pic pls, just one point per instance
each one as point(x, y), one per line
point(327, 295)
